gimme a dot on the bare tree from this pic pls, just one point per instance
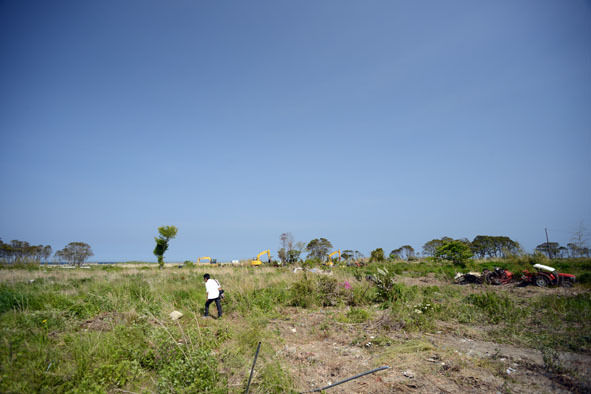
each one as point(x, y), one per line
point(286, 246)
point(578, 246)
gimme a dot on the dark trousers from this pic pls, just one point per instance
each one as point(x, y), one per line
point(218, 304)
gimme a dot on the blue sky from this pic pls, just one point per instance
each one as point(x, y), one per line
point(373, 124)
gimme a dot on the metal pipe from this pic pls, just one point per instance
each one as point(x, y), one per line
point(252, 369)
point(348, 379)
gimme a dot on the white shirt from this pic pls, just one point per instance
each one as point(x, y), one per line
point(211, 286)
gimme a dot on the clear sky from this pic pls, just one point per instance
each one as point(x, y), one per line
point(370, 123)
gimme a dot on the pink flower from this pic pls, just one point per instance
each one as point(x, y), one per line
point(347, 285)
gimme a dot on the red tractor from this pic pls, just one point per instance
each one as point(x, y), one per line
point(499, 276)
point(547, 276)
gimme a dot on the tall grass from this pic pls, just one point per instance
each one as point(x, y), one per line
point(104, 330)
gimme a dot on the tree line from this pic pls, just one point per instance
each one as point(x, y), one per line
point(16, 251)
point(555, 250)
point(21, 251)
point(577, 247)
point(482, 246)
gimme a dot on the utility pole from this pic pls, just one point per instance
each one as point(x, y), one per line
point(548, 243)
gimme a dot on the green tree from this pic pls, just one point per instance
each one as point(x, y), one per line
point(75, 253)
point(550, 249)
point(405, 252)
point(377, 255)
point(23, 252)
point(350, 254)
point(455, 251)
point(347, 254)
point(482, 246)
point(5, 251)
point(430, 247)
point(318, 248)
point(293, 256)
point(282, 253)
point(46, 252)
point(166, 234)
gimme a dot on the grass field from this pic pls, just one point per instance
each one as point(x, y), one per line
point(107, 329)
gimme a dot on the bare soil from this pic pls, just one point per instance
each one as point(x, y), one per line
point(320, 351)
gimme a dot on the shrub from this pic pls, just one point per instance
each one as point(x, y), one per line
point(302, 293)
point(310, 263)
point(585, 278)
point(496, 307)
point(384, 281)
point(195, 373)
point(377, 255)
point(327, 291)
point(111, 375)
point(358, 315)
point(361, 295)
point(111, 268)
point(18, 297)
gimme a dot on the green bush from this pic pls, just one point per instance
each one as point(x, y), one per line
point(111, 268)
point(11, 298)
point(384, 282)
point(584, 279)
point(574, 308)
point(496, 307)
point(327, 290)
point(108, 375)
point(195, 373)
point(302, 293)
point(358, 315)
point(311, 263)
point(26, 265)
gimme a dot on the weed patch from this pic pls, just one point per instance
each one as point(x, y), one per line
point(496, 308)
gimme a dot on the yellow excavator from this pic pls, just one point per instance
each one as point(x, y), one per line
point(258, 261)
point(204, 258)
point(329, 261)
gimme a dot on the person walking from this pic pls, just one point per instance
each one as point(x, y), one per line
point(212, 293)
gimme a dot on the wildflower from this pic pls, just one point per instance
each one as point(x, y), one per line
point(44, 321)
point(418, 311)
point(347, 285)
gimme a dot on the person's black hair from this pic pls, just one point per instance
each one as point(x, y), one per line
point(206, 276)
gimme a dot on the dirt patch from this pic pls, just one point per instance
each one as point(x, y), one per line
point(428, 280)
point(514, 288)
point(319, 350)
point(105, 321)
point(567, 371)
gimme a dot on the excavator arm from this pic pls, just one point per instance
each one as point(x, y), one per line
point(329, 261)
point(258, 261)
point(267, 252)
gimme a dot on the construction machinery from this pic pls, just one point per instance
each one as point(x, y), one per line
point(204, 258)
point(258, 261)
point(547, 276)
point(499, 276)
point(470, 277)
point(329, 261)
